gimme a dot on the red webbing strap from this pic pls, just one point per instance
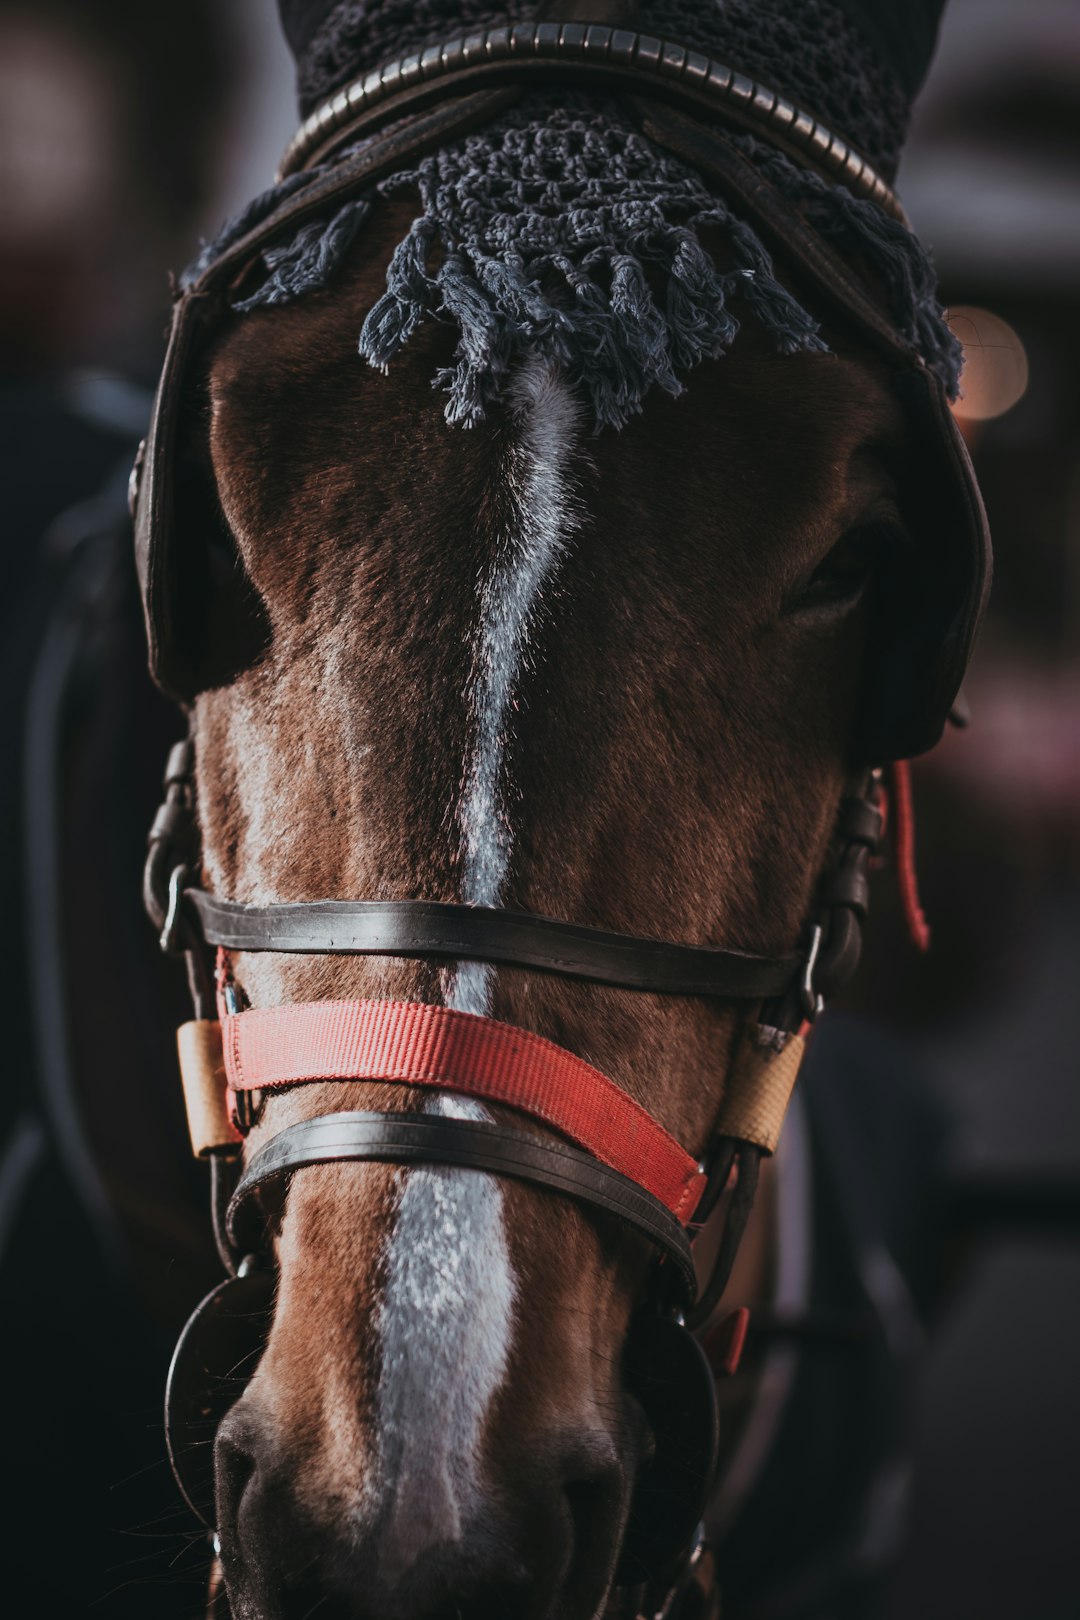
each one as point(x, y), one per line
point(415, 1044)
point(907, 879)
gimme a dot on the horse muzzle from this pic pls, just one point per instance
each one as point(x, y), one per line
point(576, 1513)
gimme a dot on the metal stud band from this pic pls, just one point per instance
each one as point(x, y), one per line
point(617, 57)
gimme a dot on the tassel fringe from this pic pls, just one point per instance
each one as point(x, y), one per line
point(562, 232)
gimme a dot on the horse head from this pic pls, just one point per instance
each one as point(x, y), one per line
point(597, 650)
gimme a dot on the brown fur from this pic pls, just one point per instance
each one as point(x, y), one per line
point(678, 750)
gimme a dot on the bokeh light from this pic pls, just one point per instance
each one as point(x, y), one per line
point(995, 375)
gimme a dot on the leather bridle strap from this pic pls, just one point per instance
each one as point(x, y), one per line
point(587, 57)
point(421, 1044)
point(470, 1144)
point(436, 929)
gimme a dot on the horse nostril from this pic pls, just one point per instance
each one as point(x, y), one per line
point(594, 1498)
point(264, 1546)
point(236, 1462)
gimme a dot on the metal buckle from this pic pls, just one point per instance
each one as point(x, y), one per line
point(170, 932)
point(812, 1003)
point(247, 1106)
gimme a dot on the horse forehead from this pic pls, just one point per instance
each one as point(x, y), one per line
point(372, 534)
point(391, 483)
point(307, 439)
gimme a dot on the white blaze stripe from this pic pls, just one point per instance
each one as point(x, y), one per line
point(445, 1323)
point(530, 549)
point(446, 1314)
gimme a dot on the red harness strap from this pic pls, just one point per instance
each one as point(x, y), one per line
point(415, 1044)
point(903, 811)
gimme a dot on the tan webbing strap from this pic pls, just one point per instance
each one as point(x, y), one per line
point(202, 1069)
point(758, 1091)
point(759, 1087)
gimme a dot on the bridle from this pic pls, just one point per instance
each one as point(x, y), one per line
point(625, 1162)
point(609, 1155)
point(596, 1146)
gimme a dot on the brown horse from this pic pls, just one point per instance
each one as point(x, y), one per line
point(615, 678)
point(440, 1395)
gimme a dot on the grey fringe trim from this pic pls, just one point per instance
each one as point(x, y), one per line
point(895, 256)
point(258, 209)
point(310, 260)
point(563, 232)
point(572, 237)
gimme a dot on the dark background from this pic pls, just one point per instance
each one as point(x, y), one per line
point(991, 178)
point(126, 131)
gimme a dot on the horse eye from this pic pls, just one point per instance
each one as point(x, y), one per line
point(842, 577)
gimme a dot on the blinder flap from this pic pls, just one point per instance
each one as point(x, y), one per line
point(928, 616)
point(918, 656)
point(203, 618)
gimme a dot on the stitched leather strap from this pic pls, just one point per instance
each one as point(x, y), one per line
point(470, 1144)
point(419, 1044)
point(480, 933)
point(578, 55)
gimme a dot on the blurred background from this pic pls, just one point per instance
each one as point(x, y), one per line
point(991, 179)
point(127, 131)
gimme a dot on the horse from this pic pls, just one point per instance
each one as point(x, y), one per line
point(537, 756)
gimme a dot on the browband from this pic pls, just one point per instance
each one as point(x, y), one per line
point(473, 1144)
point(483, 933)
point(580, 56)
